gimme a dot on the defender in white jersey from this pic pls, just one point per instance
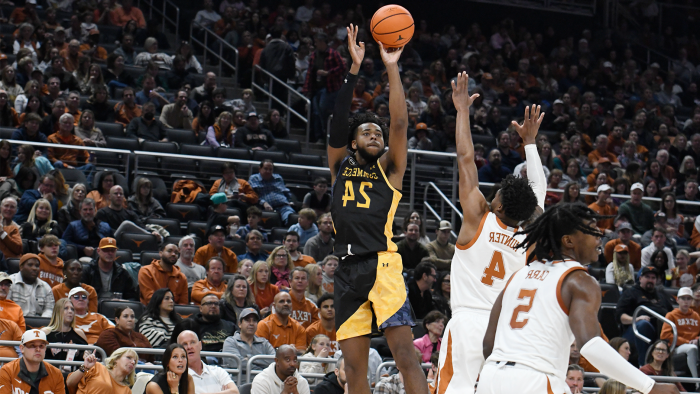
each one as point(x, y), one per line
point(546, 306)
point(485, 255)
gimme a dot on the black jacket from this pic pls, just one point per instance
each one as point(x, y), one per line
point(422, 303)
point(121, 280)
point(278, 58)
point(634, 296)
point(329, 385)
point(213, 334)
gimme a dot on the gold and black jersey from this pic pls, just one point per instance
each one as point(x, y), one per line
point(363, 209)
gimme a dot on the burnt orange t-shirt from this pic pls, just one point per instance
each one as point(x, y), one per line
point(49, 273)
point(97, 380)
point(203, 287)
point(11, 311)
point(605, 210)
point(61, 291)
point(93, 324)
point(304, 311)
point(9, 331)
point(316, 328)
point(206, 252)
point(278, 334)
point(303, 261)
point(265, 297)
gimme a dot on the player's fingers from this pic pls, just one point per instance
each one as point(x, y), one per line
point(474, 96)
point(527, 114)
point(539, 120)
point(362, 45)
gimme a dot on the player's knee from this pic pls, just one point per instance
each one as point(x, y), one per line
point(407, 358)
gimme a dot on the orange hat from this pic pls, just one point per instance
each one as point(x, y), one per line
point(107, 243)
point(3, 56)
point(621, 248)
point(26, 257)
point(421, 126)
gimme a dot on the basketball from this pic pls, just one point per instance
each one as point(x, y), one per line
point(392, 25)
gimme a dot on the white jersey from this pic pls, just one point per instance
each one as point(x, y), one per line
point(533, 328)
point(480, 269)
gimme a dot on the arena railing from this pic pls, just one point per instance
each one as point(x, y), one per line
point(163, 14)
point(684, 9)
point(211, 37)
point(250, 371)
point(387, 364)
point(238, 372)
point(98, 349)
point(454, 211)
point(271, 81)
point(658, 316)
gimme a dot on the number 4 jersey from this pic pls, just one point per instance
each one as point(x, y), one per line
point(481, 268)
point(363, 209)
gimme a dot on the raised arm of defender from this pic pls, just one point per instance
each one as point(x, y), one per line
point(535, 173)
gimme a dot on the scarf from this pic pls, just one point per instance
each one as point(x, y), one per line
point(282, 277)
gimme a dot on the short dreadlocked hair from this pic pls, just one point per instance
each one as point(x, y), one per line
point(519, 201)
point(366, 117)
point(559, 220)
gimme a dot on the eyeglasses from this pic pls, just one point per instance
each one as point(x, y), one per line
point(80, 296)
point(660, 350)
point(281, 256)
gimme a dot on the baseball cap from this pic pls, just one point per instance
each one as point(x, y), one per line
point(649, 270)
point(621, 248)
point(218, 198)
point(637, 186)
point(247, 312)
point(252, 115)
point(624, 226)
point(77, 290)
point(603, 160)
point(33, 335)
point(487, 76)
point(107, 243)
point(604, 187)
point(3, 56)
point(557, 101)
point(654, 65)
point(445, 225)
point(607, 64)
point(26, 257)
point(216, 228)
point(59, 29)
point(685, 291)
point(421, 126)
point(619, 106)
point(5, 276)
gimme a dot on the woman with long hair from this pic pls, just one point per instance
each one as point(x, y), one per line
point(629, 154)
point(123, 334)
point(273, 122)
point(620, 186)
point(315, 288)
point(634, 173)
point(39, 222)
point(205, 118)
point(659, 259)
point(319, 347)
point(83, 70)
point(115, 77)
point(105, 180)
point(238, 296)
point(620, 271)
point(612, 386)
point(25, 179)
point(622, 346)
point(434, 115)
point(222, 132)
point(5, 159)
point(651, 189)
point(33, 160)
point(281, 266)
point(572, 193)
point(263, 290)
point(71, 211)
point(92, 80)
point(86, 130)
point(30, 88)
point(34, 105)
point(9, 84)
point(674, 219)
point(116, 376)
point(573, 173)
point(414, 217)
point(244, 267)
point(191, 62)
point(8, 115)
point(174, 377)
point(98, 103)
point(415, 105)
point(143, 203)
point(159, 319)
point(61, 189)
point(546, 154)
point(441, 294)
point(654, 173)
point(659, 362)
point(61, 329)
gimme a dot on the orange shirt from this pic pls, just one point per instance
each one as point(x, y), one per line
point(61, 291)
point(10, 332)
point(72, 157)
point(304, 311)
point(304, 260)
point(316, 328)
point(207, 251)
point(11, 244)
point(70, 63)
point(153, 277)
point(9, 310)
point(49, 273)
point(119, 17)
point(93, 324)
point(265, 297)
point(360, 101)
point(97, 380)
point(203, 287)
point(278, 334)
point(635, 252)
point(692, 270)
point(594, 156)
point(606, 210)
point(686, 324)
point(124, 114)
point(100, 53)
point(52, 383)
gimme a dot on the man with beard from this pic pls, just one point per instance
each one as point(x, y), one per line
point(282, 375)
point(212, 329)
point(494, 171)
point(643, 293)
point(334, 382)
point(85, 234)
point(120, 219)
point(369, 282)
point(207, 378)
point(107, 276)
point(163, 273)
point(33, 295)
point(279, 328)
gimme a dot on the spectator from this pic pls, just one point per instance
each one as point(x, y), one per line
point(245, 344)
point(85, 234)
point(105, 182)
point(279, 328)
point(204, 92)
point(8, 115)
point(30, 130)
point(334, 382)
point(151, 54)
point(222, 132)
point(237, 296)
point(72, 274)
point(303, 310)
point(207, 379)
point(127, 110)
point(644, 293)
point(291, 243)
point(212, 329)
point(39, 222)
point(278, 59)
point(604, 206)
point(411, 251)
point(121, 15)
point(213, 283)
point(104, 270)
point(330, 264)
point(35, 373)
point(91, 323)
point(11, 332)
point(217, 236)
point(125, 50)
point(420, 140)
point(275, 124)
point(321, 245)
point(263, 290)
point(163, 274)
point(434, 325)
point(574, 378)
point(684, 274)
point(253, 136)
point(159, 318)
point(177, 115)
point(34, 296)
point(220, 217)
point(325, 324)
point(319, 347)
point(143, 203)
point(10, 310)
point(640, 215)
point(86, 130)
point(70, 158)
point(282, 375)
point(10, 238)
point(624, 236)
point(315, 289)
point(305, 228)
point(192, 271)
point(270, 187)
point(494, 171)
point(147, 127)
point(620, 271)
point(441, 250)
point(206, 17)
point(441, 294)
point(68, 80)
point(686, 321)
point(323, 83)
point(62, 330)
point(254, 214)
point(392, 384)
point(319, 200)
point(253, 246)
point(120, 219)
point(175, 376)
point(419, 294)
point(50, 265)
point(245, 104)
point(659, 361)
point(115, 375)
point(238, 191)
point(281, 266)
point(658, 243)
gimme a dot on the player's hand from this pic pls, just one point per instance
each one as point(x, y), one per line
point(357, 50)
point(460, 93)
point(390, 58)
point(531, 124)
point(664, 388)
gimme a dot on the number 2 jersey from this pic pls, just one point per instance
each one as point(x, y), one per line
point(363, 209)
point(533, 328)
point(481, 269)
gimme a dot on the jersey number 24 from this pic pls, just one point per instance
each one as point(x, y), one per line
point(350, 194)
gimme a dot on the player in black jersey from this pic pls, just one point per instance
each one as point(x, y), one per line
point(369, 286)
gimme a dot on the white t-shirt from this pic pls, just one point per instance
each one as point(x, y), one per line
point(211, 380)
point(207, 18)
point(649, 250)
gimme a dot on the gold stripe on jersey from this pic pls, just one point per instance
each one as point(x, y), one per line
point(388, 231)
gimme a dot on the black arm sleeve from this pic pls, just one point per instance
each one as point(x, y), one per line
point(339, 124)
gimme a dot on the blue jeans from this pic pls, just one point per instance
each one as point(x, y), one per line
point(322, 106)
point(648, 330)
point(285, 211)
point(87, 169)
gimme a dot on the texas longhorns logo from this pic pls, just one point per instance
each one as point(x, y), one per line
point(603, 292)
point(138, 243)
point(184, 214)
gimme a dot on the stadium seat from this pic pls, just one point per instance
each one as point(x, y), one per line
point(178, 167)
point(137, 242)
point(271, 219)
point(186, 311)
point(181, 136)
point(107, 308)
point(489, 142)
point(293, 174)
point(71, 252)
point(135, 72)
point(268, 247)
point(36, 322)
point(288, 146)
point(160, 191)
point(306, 160)
point(327, 175)
point(183, 212)
point(228, 276)
point(160, 147)
point(111, 129)
point(299, 190)
point(12, 266)
point(237, 246)
point(277, 235)
point(73, 176)
point(211, 169)
point(234, 153)
point(6, 133)
point(196, 150)
point(197, 228)
point(672, 292)
point(124, 256)
point(246, 388)
point(275, 156)
point(109, 159)
point(131, 144)
point(170, 225)
point(148, 256)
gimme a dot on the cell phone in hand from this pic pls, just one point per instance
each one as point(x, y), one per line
point(92, 156)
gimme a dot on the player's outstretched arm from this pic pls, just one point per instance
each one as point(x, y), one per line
point(535, 173)
point(338, 141)
point(398, 151)
point(490, 336)
point(582, 294)
point(474, 205)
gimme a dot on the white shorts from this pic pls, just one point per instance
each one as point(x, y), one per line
point(462, 351)
point(505, 379)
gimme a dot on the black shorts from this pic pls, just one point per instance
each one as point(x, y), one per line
point(370, 291)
